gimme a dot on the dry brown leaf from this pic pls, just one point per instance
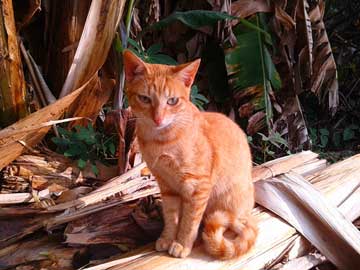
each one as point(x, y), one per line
point(305, 40)
point(256, 123)
point(284, 18)
point(246, 8)
point(122, 122)
point(324, 77)
point(291, 121)
point(246, 110)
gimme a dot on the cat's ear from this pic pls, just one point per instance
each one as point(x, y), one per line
point(187, 72)
point(133, 65)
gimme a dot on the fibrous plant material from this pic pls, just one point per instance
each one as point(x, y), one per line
point(12, 145)
point(61, 42)
point(12, 82)
point(339, 183)
point(94, 45)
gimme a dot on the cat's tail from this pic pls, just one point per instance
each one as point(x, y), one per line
point(221, 247)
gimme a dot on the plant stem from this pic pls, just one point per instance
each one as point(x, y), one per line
point(266, 84)
point(119, 95)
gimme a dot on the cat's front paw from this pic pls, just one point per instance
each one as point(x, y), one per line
point(178, 250)
point(163, 244)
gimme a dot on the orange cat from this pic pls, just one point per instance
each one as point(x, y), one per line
point(201, 160)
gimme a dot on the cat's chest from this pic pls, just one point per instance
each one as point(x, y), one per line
point(165, 160)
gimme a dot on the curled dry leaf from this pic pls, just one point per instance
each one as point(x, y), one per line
point(246, 8)
point(324, 77)
point(288, 20)
point(246, 110)
point(122, 122)
point(305, 43)
point(256, 123)
point(284, 18)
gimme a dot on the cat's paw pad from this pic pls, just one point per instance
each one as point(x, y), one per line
point(162, 244)
point(179, 251)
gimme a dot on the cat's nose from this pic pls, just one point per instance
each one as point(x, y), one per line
point(158, 121)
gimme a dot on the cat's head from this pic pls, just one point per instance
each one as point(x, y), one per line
point(158, 94)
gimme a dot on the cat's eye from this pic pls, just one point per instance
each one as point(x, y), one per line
point(173, 101)
point(144, 99)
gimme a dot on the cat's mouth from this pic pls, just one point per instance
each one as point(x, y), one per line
point(163, 125)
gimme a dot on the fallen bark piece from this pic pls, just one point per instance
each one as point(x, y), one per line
point(15, 198)
point(275, 235)
point(111, 188)
point(15, 228)
point(303, 263)
point(37, 250)
point(11, 146)
point(130, 225)
point(116, 185)
point(282, 165)
point(90, 209)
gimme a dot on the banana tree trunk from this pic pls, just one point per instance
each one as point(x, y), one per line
point(61, 42)
point(12, 83)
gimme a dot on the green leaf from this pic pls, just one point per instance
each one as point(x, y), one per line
point(154, 49)
point(214, 63)
point(135, 45)
point(95, 169)
point(160, 59)
point(60, 141)
point(353, 126)
point(118, 44)
point(313, 135)
point(337, 139)
point(324, 131)
point(348, 134)
point(64, 132)
point(245, 65)
point(198, 99)
point(250, 64)
point(112, 148)
point(277, 138)
point(192, 18)
point(81, 163)
point(324, 139)
point(263, 137)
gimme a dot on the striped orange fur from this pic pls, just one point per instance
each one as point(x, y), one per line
point(201, 160)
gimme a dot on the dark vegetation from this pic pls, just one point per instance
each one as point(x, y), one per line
point(278, 81)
